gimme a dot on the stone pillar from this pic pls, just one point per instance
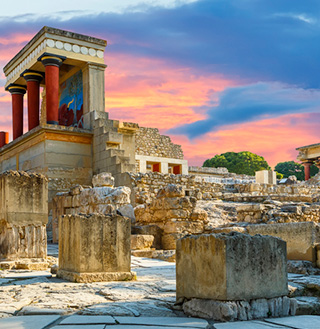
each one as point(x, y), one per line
point(93, 91)
point(23, 219)
point(94, 247)
point(4, 138)
point(52, 64)
point(307, 166)
point(33, 91)
point(17, 93)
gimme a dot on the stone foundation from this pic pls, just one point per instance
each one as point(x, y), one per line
point(96, 277)
point(94, 247)
point(240, 310)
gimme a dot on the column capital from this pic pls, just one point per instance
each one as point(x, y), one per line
point(51, 59)
point(16, 89)
point(30, 75)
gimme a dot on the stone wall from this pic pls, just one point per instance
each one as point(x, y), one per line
point(145, 187)
point(173, 214)
point(149, 142)
point(272, 212)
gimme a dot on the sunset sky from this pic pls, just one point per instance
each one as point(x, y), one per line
point(215, 75)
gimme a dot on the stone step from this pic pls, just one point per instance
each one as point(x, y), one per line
point(114, 152)
point(116, 160)
point(166, 255)
point(113, 137)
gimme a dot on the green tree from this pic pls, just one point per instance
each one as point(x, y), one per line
point(279, 175)
point(240, 163)
point(289, 168)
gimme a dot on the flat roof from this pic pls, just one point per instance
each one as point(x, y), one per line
point(308, 146)
point(54, 31)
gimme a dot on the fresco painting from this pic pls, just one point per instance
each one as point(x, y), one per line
point(71, 102)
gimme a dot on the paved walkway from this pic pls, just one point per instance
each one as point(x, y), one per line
point(38, 300)
point(117, 322)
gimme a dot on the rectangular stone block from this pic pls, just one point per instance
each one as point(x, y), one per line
point(266, 177)
point(24, 198)
point(23, 215)
point(301, 238)
point(94, 247)
point(231, 266)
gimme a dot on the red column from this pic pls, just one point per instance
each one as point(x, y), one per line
point(17, 93)
point(33, 92)
point(307, 166)
point(4, 138)
point(52, 64)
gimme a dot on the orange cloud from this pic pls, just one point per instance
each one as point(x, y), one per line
point(155, 94)
point(16, 38)
point(274, 139)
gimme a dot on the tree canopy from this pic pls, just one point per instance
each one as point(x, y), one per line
point(240, 163)
point(289, 168)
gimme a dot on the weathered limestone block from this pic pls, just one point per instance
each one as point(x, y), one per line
point(140, 242)
point(153, 230)
point(94, 247)
point(301, 238)
point(103, 179)
point(104, 200)
point(231, 266)
point(240, 310)
point(23, 215)
point(168, 241)
point(266, 177)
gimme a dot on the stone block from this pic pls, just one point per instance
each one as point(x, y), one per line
point(240, 310)
point(94, 247)
point(266, 177)
point(301, 238)
point(231, 266)
point(154, 230)
point(23, 215)
point(140, 242)
point(103, 179)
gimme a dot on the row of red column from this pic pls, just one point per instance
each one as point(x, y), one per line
point(33, 79)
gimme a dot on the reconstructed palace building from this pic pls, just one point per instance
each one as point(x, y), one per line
point(70, 137)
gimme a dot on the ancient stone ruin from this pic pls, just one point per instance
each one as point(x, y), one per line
point(106, 189)
point(23, 219)
point(233, 276)
point(94, 248)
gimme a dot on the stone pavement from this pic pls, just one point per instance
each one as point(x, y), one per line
point(39, 300)
point(117, 322)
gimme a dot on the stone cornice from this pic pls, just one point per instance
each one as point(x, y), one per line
point(69, 44)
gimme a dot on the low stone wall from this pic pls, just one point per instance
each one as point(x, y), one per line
point(146, 186)
point(278, 213)
point(173, 214)
point(23, 215)
point(302, 238)
point(103, 200)
point(149, 142)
